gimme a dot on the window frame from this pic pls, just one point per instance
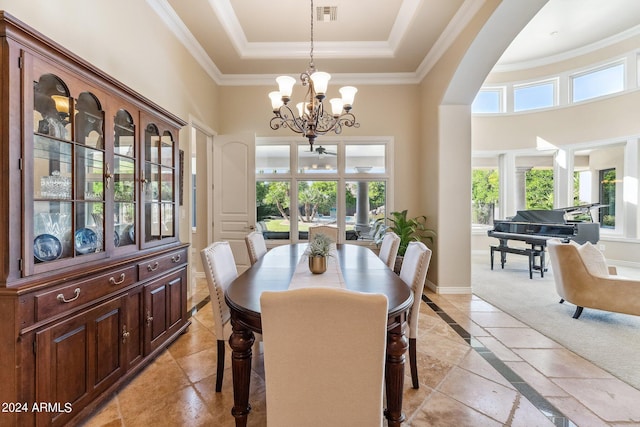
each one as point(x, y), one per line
point(341, 177)
point(572, 78)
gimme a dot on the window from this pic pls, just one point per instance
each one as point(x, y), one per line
point(608, 197)
point(342, 183)
point(533, 96)
point(539, 189)
point(603, 81)
point(488, 101)
point(485, 191)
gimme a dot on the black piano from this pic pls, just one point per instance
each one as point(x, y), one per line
point(535, 227)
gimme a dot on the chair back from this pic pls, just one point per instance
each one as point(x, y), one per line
point(256, 246)
point(324, 356)
point(220, 269)
point(389, 249)
point(327, 230)
point(414, 273)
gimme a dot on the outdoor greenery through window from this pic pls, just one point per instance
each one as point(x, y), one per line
point(485, 191)
point(339, 183)
point(539, 189)
point(608, 198)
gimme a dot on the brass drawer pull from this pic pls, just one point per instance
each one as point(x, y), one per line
point(119, 282)
point(61, 297)
point(176, 258)
point(153, 267)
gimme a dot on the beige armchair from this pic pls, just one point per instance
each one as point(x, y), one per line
point(583, 278)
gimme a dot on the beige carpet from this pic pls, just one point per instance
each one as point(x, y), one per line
point(609, 340)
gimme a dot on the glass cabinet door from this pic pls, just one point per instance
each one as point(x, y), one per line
point(124, 166)
point(68, 172)
point(159, 184)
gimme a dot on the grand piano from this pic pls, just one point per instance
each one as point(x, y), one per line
point(535, 227)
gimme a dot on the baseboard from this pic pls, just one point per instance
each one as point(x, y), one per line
point(443, 290)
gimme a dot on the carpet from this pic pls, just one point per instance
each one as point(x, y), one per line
point(609, 340)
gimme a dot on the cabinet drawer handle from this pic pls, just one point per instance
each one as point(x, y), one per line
point(61, 297)
point(176, 258)
point(153, 267)
point(119, 282)
point(125, 333)
point(149, 318)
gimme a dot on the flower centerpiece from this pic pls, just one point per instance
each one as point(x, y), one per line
point(318, 251)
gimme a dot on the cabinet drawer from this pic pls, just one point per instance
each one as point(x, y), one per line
point(66, 298)
point(155, 266)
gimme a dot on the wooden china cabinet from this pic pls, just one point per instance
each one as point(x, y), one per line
point(92, 271)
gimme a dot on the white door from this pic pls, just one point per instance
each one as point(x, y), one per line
point(234, 193)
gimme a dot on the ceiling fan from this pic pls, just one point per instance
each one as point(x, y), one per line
point(321, 150)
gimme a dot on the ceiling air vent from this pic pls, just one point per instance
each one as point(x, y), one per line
point(326, 13)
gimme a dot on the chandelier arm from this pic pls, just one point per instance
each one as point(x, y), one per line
point(313, 120)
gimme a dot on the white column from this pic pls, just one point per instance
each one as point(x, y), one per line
point(507, 178)
point(631, 189)
point(563, 165)
point(521, 187)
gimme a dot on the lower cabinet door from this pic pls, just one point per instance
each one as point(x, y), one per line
point(164, 309)
point(77, 359)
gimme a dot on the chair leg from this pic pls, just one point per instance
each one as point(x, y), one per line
point(220, 366)
point(578, 312)
point(413, 362)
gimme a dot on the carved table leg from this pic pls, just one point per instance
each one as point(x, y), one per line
point(397, 345)
point(241, 341)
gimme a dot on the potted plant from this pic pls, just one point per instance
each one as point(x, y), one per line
point(318, 251)
point(408, 229)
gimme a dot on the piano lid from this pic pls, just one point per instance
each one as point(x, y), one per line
point(540, 216)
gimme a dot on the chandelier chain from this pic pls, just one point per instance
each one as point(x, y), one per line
point(311, 64)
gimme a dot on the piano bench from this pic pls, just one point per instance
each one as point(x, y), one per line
point(530, 253)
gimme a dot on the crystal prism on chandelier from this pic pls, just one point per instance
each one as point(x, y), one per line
point(311, 119)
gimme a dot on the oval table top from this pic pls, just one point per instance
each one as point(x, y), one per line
point(361, 269)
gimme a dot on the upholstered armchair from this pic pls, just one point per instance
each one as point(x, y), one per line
point(583, 278)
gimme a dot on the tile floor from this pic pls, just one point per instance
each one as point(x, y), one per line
point(477, 366)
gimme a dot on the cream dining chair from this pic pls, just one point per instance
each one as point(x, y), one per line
point(220, 269)
point(256, 246)
point(327, 230)
point(389, 249)
point(414, 273)
point(337, 370)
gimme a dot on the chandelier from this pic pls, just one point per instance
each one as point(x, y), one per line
point(312, 120)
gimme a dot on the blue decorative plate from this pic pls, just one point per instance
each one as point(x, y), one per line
point(46, 247)
point(116, 239)
point(132, 234)
point(86, 241)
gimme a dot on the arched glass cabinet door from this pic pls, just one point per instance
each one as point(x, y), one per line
point(159, 179)
point(124, 194)
point(89, 175)
point(52, 170)
point(68, 172)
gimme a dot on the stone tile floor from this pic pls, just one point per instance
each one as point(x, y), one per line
point(477, 366)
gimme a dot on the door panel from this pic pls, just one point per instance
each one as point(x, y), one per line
point(234, 193)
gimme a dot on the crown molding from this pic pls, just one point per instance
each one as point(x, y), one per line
point(182, 33)
point(339, 79)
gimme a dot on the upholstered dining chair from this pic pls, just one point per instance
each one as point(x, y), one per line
point(337, 370)
point(327, 230)
point(414, 273)
point(220, 269)
point(389, 249)
point(256, 246)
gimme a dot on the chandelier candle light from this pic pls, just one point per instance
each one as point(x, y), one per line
point(312, 120)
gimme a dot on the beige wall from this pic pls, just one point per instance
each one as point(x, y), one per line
point(380, 110)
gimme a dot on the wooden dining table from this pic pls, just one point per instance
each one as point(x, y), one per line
point(361, 270)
